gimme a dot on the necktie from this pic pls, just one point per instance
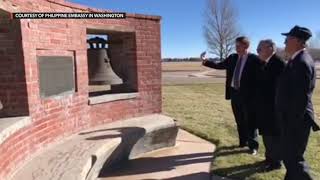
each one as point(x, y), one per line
point(236, 74)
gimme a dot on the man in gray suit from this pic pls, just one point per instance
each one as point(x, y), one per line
point(294, 105)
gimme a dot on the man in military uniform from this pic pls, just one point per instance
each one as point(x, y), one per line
point(294, 105)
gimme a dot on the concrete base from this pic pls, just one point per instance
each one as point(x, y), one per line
point(82, 156)
point(190, 159)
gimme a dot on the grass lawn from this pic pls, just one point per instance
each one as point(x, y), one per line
point(202, 110)
point(182, 66)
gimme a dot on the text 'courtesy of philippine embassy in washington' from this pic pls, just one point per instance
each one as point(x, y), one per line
point(40, 15)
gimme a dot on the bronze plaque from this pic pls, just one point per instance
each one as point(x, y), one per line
point(56, 74)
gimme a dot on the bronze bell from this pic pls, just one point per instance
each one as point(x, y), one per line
point(100, 70)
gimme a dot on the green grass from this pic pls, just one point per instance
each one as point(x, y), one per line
point(202, 110)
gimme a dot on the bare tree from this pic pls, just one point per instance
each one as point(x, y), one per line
point(220, 29)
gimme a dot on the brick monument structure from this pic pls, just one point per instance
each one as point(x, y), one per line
point(32, 119)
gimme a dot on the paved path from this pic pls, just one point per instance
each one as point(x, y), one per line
point(189, 160)
point(193, 77)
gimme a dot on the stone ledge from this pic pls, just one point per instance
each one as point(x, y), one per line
point(111, 97)
point(10, 125)
point(75, 159)
point(82, 156)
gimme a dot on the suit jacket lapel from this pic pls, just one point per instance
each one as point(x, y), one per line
point(234, 61)
point(271, 61)
point(245, 66)
point(298, 56)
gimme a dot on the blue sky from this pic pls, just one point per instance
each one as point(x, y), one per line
point(182, 20)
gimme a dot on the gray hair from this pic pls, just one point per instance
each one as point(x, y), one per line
point(270, 43)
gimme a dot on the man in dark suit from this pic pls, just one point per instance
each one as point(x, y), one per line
point(240, 85)
point(294, 105)
point(271, 68)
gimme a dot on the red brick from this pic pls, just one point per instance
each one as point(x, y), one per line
point(53, 118)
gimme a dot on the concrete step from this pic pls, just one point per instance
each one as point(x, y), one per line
point(82, 156)
point(10, 125)
point(190, 159)
point(71, 160)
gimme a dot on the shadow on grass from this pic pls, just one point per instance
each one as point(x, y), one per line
point(226, 151)
point(214, 141)
point(236, 172)
point(201, 175)
point(240, 172)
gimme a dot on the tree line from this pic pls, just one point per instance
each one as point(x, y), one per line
point(314, 52)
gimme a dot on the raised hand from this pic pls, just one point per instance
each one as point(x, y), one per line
point(203, 58)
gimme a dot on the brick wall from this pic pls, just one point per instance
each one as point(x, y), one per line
point(13, 93)
point(54, 119)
